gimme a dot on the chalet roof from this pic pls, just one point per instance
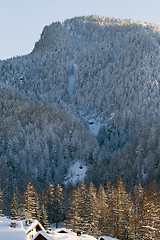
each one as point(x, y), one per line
point(32, 224)
point(106, 238)
point(20, 230)
point(42, 236)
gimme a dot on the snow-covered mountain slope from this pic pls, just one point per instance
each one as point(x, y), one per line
point(98, 82)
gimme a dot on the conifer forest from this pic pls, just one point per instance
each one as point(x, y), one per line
point(88, 93)
point(106, 210)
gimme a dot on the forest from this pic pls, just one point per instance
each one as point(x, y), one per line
point(103, 69)
point(106, 210)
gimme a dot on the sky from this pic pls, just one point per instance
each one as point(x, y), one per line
point(22, 21)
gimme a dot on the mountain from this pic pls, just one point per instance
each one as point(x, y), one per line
point(87, 94)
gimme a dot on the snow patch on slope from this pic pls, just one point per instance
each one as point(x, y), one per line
point(94, 125)
point(76, 173)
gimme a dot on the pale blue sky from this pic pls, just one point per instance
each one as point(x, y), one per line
point(22, 21)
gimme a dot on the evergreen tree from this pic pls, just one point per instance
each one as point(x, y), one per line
point(44, 217)
point(1, 203)
point(138, 213)
point(58, 205)
point(48, 201)
point(15, 207)
point(31, 206)
point(151, 213)
point(119, 209)
point(103, 210)
point(83, 226)
point(73, 214)
point(108, 225)
point(77, 214)
point(92, 225)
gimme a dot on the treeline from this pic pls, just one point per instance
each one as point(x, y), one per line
point(106, 210)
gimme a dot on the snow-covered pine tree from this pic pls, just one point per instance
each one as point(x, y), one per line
point(58, 205)
point(73, 214)
point(83, 207)
point(137, 222)
point(48, 201)
point(15, 207)
point(103, 209)
point(77, 214)
point(44, 217)
point(31, 208)
point(119, 209)
point(93, 214)
point(107, 225)
point(151, 213)
point(1, 203)
point(129, 214)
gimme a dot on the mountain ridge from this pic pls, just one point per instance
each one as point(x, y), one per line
point(87, 71)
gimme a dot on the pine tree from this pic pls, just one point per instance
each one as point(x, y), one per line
point(102, 207)
point(129, 214)
point(83, 226)
point(108, 225)
point(119, 208)
point(151, 213)
point(31, 207)
point(48, 201)
point(44, 217)
point(138, 212)
point(73, 214)
point(14, 208)
point(93, 217)
point(77, 214)
point(58, 204)
point(1, 203)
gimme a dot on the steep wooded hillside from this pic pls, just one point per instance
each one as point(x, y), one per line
point(86, 72)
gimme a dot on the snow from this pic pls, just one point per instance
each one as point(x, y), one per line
point(94, 125)
point(72, 80)
point(70, 235)
point(9, 233)
point(44, 234)
point(107, 238)
point(20, 232)
point(76, 173)
point(93, 122)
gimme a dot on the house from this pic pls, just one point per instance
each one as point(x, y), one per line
point(106, 238)
point(15, 230)
point(42, 236)
point(32, 227)
point(32, 230)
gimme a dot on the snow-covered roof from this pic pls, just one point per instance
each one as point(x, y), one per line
point(33, 224)
point(44, 234)
point(107, 238)
point(9, 233)
point(68, 235)
point(56, 235)
point(19, 232)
